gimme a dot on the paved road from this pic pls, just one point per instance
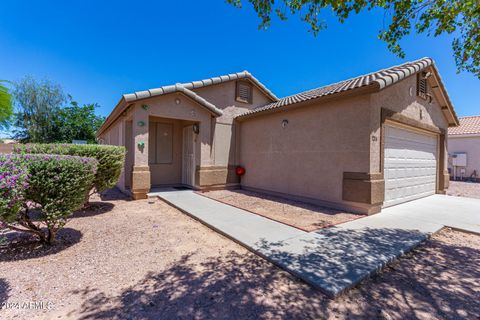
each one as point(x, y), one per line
point(336, 258)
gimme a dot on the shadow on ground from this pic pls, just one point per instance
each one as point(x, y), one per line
point(113, 194)
point(436, 281)
point(22, 246)
point(94, 208)
point(335, 258)
point(4, 291)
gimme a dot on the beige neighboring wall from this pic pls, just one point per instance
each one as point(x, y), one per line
point(307, 157)
point(469, 145)
point(6, 148)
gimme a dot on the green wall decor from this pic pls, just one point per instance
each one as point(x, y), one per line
point(140, 123)
point(141, 144)
point(145, 107)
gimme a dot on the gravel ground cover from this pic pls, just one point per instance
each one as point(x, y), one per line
point(298, 214)
point(464, 189)
point(146, 260)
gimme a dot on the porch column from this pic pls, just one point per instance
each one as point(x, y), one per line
point(141, 171)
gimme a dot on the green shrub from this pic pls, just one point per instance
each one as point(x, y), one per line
point(110, 159)
point(56, 186)
point(13, 183)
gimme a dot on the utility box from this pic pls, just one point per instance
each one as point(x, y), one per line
point(459, 159)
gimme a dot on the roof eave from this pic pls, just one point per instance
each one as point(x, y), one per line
point(374, 87)
point(446, 97)
point(128, 99)
point(112, 117)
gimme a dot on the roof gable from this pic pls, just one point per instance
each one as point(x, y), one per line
point(185, 88)
point(199, 84)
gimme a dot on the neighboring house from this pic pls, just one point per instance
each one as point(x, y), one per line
point(360, 144)
point(6, 145)
point(464, 145)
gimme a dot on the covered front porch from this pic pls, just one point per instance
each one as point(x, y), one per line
point(169, 149)
point(167, 139)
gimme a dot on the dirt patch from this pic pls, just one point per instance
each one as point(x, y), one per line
point(464, 189)
point(298, 214)
point(146, 260)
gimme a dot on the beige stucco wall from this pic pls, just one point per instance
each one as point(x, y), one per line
point(325, 141)
point(223, 96)
point(307, 158)
point(215, 145)
point(470, 145)
point(402, 98)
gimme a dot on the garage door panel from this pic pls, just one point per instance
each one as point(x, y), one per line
point(410, 165)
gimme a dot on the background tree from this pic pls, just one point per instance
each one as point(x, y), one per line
point(6, 109)
point(46, 114)
point(77, 122)
point(433, 17)
point(38, 104)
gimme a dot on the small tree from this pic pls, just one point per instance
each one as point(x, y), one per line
point(77, 122)
point(53, 186)
point(6, 109)
point(38, 104)
point(433, 17)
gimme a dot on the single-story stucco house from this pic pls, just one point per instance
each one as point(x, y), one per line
point(464, 149)
point(361, 144)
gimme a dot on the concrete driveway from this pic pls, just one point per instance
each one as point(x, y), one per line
point(337, 258)
point(428, 214)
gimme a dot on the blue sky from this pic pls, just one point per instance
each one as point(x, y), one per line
point(98, 50)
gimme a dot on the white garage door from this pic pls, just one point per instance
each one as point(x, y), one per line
point(410, 165)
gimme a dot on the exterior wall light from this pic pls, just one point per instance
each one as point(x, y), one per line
point(177, 101)
point(196, 128)
point(141, 144)
point(145, 107)
point(284, 123)
point(141, 123)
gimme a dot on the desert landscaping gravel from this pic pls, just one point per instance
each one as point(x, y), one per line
point(145, 260)
point(298, 214)
point(464, 189)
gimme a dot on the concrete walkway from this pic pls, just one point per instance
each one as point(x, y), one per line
point(337, 258)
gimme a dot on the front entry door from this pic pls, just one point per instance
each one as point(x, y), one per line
point(188, 158)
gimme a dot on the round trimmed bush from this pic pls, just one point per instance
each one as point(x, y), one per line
point(110, 159)
point(56, 185)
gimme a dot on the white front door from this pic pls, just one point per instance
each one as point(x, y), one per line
point(188, 158)
point(410, 165)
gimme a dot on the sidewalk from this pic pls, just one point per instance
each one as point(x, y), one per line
point(336, 258)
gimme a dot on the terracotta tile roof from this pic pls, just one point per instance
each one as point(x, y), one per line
point(468, 125)
point(199, 84)
point(186, 88)
point(380, 79)
point(175, 88)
